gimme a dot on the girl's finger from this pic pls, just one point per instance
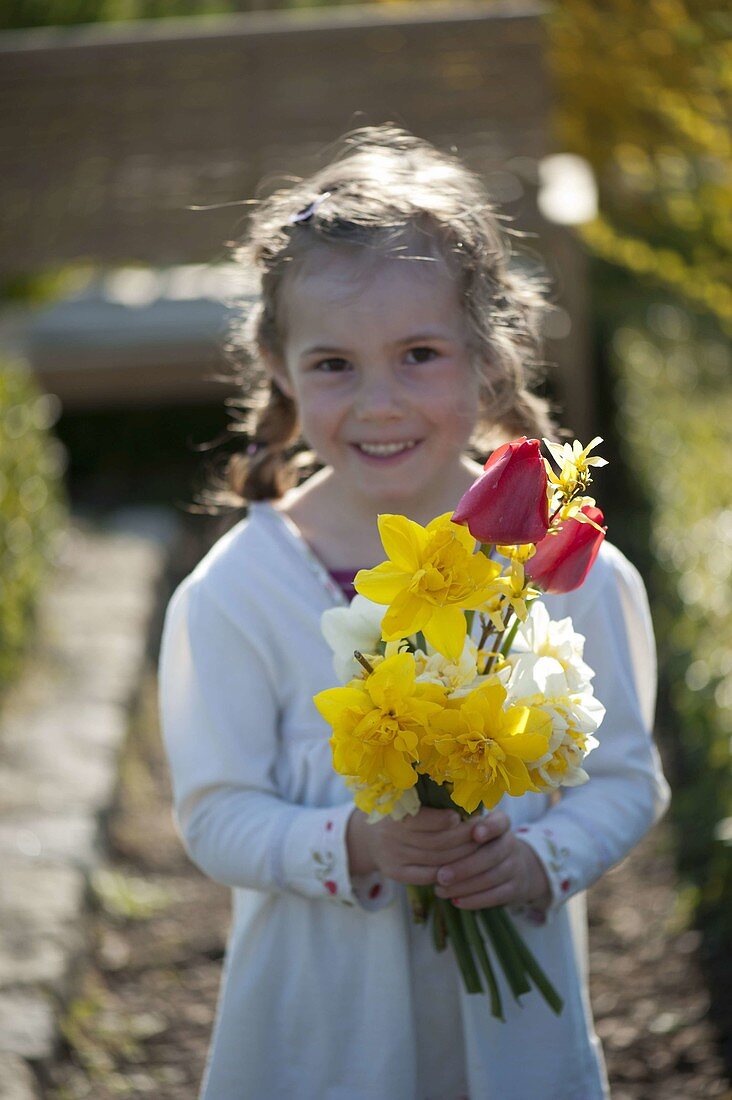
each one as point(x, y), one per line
point(499, 876)
point(416, 875)
point(430, 820)
point(487, 899)
point(443, 839)
point(480, 862)
point(438, 858)
point(491, 826)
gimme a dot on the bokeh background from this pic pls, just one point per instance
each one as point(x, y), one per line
point(130, 133)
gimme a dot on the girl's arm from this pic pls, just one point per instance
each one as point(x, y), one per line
point(219, 715)
point(592, 827)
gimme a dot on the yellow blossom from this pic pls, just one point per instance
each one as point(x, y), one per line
point(432, 577)
point(377, 723)
point(520, 552)
point(514, 591)
point(483, 749)
point(572, 509)
point(574, 465)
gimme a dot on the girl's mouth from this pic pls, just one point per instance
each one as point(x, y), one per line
point(386, 450)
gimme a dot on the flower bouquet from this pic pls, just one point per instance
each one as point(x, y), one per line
point(463, 690)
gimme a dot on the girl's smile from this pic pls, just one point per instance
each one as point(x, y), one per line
point(376, 357)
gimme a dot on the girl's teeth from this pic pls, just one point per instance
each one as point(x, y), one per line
point(385, 448)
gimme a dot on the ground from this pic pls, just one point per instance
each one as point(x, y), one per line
point(141, 1021)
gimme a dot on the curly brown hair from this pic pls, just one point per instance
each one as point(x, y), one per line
point(383, 188)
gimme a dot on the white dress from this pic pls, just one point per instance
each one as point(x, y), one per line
point(330, 992)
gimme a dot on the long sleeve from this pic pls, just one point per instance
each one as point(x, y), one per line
point(219, 711)
point(592, 827)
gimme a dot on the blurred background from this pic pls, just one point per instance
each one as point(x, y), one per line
point(132, 130)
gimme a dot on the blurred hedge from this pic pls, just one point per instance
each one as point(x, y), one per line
point(674, 378)
point(31, 508)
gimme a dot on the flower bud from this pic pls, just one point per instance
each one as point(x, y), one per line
point(563, 560)
point(508, 503)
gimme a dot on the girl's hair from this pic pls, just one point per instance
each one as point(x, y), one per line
point(383, 189)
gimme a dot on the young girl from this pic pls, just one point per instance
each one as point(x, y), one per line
point(392, 335)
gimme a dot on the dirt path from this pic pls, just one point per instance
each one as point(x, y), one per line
point(141, 1022)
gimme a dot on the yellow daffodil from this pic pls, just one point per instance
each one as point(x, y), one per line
point(432, 577)
point(485, 749)
point(377, 723)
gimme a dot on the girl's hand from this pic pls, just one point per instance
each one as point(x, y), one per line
point(411, 850)
point(502, 871)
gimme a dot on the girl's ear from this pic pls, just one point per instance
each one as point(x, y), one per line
point(276, 369)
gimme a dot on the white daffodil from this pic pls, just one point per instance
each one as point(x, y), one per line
point(574, 721)
point(356, 627)
point(534, 680)
point(546, 637)
point(457, 677)
point(542, 681)
point(407, 805)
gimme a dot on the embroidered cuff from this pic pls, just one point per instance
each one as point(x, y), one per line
point(315, 861)
point(571, 858)
point(555, 861)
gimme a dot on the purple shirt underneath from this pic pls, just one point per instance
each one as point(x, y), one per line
point(344, 580)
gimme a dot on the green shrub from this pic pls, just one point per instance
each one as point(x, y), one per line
point(675, 400)
point(31, 463)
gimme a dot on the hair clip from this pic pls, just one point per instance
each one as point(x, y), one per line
point(307, 212)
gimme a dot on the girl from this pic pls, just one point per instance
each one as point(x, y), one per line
point(392, 335)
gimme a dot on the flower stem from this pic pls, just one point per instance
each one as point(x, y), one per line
point(418, 903)
point(439, 929)
point(505, 949)
point(460, 946)
point(508, 638)
point(476, 942)
point(531, 966)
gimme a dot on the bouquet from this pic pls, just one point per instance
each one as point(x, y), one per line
point(463, 690)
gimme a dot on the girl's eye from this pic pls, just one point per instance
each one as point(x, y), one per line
point(421, 355)
point(331, 366)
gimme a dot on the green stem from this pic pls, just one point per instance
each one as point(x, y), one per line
point(475, 940)
point(531, 966)
point(460, 946)
point(418, 903)
point(506, 953)
point(508, 638)
point(439, 929)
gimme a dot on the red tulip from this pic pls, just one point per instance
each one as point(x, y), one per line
point(562, 561)
point(508, 503)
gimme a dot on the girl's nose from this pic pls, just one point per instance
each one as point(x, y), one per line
point(378, 399)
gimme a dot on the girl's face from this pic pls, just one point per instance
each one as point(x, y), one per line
point(376, 358)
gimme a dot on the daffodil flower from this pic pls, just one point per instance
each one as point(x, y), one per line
point(484, 750)
point(356, 627)
point(432, 576)
point(377, 723)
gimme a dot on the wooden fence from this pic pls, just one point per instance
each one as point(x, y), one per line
point(108, 134)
